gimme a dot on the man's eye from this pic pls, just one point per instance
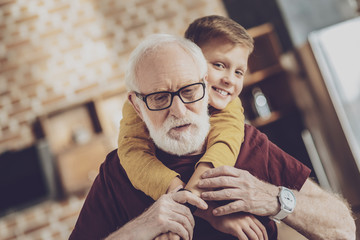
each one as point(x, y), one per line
point(187, 92)
point(160, 98)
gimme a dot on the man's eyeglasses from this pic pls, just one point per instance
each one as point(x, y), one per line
point(162, 100)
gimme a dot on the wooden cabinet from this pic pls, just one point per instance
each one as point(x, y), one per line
point(78, 166)
point(80, 136)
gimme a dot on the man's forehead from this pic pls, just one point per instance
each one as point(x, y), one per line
point(173, 86)
point(167, 69)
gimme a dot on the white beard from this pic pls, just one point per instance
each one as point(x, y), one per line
point(185, 142)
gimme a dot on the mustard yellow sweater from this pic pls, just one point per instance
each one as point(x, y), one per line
point(137, 151)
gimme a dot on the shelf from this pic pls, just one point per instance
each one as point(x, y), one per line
point(260, 30)
point(258, 122)
point(79, 165)
point(261, 75)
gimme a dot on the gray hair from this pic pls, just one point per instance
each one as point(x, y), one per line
point(153, 42)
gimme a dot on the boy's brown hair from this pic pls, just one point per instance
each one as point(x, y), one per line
point(203, 29)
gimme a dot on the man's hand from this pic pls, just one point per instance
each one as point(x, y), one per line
point(249, 193)
point(167, 214)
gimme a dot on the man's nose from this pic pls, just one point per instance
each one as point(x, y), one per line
point(177, 108)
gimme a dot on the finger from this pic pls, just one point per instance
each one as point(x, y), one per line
point(224, 194)
point(219, 182)
point(187, 197)
point(183, 215)
point(233, 207)
point(261, 227)
point(163, 236)
point(177, 228)
point(174, 217)
point(173, 236)
point(186, 221)
point(250, 234)
point(170, 205)
point(221, 171)
point(241, 235)
point(168, 236)
point(253, 232)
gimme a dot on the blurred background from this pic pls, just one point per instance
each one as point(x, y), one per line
point(62, 89)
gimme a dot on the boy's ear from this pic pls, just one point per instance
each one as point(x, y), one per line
point(132, 100)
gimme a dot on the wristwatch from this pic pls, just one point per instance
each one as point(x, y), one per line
point(287, 204)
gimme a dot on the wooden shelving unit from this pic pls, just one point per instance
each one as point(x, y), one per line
point(267, 74)
point(283, 125)
point(259, 122)
point(260, 75)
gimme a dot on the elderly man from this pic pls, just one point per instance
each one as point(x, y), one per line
point(265, 181)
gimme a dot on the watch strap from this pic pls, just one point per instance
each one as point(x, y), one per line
point(280, 215)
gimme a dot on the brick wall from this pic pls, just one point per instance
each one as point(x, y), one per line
point(57, 53)
point(46, 221)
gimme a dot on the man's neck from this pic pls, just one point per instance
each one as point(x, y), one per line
point(201, 150)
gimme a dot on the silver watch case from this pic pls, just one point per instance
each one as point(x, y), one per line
point(287, 204)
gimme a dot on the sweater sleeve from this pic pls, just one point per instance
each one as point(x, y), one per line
point(136, 152)
point(226, 135)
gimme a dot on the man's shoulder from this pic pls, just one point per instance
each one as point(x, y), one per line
point(112, 156)
point(253, 137)
point(111, 165)
point(111, 159)
point(253, 154)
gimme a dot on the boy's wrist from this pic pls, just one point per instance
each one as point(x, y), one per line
point(192, 184)
point(195, 190)
point(174, 184)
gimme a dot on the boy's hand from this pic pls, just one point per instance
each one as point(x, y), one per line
point(242, 225)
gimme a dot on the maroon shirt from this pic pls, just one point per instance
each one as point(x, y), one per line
point(113, 201)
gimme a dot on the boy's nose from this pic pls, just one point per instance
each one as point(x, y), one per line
point(178, 108)
point(228, 79)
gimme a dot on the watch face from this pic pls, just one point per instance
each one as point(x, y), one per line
point(288, 199)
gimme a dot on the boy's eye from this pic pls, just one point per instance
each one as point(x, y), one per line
point(240, 73)
point(219, 65)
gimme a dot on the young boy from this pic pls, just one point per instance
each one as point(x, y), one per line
point(226, 46)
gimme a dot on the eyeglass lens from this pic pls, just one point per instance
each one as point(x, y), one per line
point(187, 94)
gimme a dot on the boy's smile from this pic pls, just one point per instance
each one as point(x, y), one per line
point(227, 64)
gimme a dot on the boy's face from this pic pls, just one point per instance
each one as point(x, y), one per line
point(227, 64)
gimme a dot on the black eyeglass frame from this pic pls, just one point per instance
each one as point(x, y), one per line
point(173, 94)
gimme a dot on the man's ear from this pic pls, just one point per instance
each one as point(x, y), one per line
point(206, 78)
point(206, 82)
point(132, 100)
